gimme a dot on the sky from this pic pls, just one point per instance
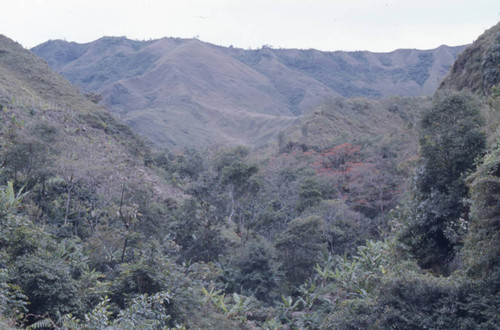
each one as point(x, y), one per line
point(374, 25)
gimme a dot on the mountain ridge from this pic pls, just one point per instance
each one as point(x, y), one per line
point(179, 92)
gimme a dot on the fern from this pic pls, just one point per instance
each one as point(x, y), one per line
point(45, 323)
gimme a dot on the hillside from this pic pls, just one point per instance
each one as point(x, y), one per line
point(356, 120)
point(81, 205)
point(179, 92)
point(476, 69)
point(62, 130)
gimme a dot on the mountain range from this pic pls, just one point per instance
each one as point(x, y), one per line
point(181, 92)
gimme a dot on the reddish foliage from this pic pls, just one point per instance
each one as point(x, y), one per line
point(337, 160)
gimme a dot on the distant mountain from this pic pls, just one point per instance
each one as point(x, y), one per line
point(179, 92)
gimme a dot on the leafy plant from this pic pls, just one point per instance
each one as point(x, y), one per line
point(235, 309)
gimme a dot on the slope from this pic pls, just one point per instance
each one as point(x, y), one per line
point(47, 125)
point(359, 121)
point(403, 72)
point(81, 214)
point(179, 92)
point(476, 69)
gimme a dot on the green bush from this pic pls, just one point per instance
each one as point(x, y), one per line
point(48, 284)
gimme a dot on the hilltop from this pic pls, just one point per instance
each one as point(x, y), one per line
point(179, 92)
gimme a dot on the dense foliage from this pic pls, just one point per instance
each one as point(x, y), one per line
point(325, 234)
point(451, 141)
point(301, 239)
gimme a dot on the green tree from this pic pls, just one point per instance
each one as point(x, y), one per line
point(254, 271)
point(197, 230)
point(483, 240)
point(451, 140)
point(309, 194)
point(345, 229)
point(482, 243)
point(48, 283)
point(238, 178)
point(300, 247)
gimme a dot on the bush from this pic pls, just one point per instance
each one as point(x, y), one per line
point(48, 285)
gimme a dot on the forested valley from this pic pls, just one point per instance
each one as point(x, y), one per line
point(362, 214)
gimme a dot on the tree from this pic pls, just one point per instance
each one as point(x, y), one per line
point(336, 164)
point(197, 230)
point(344, 228)
point(300, 247)
point(451, 140)
point(48, 284)
point(280, 193)
point(237, 177)
point(309, 194)
point(482, 243)
point(28, 153)
point(372, 190)
point(254, 271)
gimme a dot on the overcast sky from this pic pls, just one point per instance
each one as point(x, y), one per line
point(375, 25)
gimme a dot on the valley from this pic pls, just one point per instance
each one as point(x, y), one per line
point(177, 184)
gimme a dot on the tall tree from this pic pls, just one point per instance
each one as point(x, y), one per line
point(237, 177)
point(451, 140)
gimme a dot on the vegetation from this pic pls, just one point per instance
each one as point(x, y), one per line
point(390, 226)
point(451, 141)
point(476, 69)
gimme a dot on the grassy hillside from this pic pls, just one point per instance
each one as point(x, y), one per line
point(476, 69)
point(356, 120)
point(179, 92)
point(75, 138)
point(403, 72)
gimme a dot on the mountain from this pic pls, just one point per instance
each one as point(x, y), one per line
point(81, 204)
point(49, 129)
point(476, 69)
point(323, 234)
point(179, 92)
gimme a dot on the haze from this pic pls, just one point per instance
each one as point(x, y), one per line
point(321, 24)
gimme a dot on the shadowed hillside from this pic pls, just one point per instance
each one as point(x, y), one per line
point(180, 92)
